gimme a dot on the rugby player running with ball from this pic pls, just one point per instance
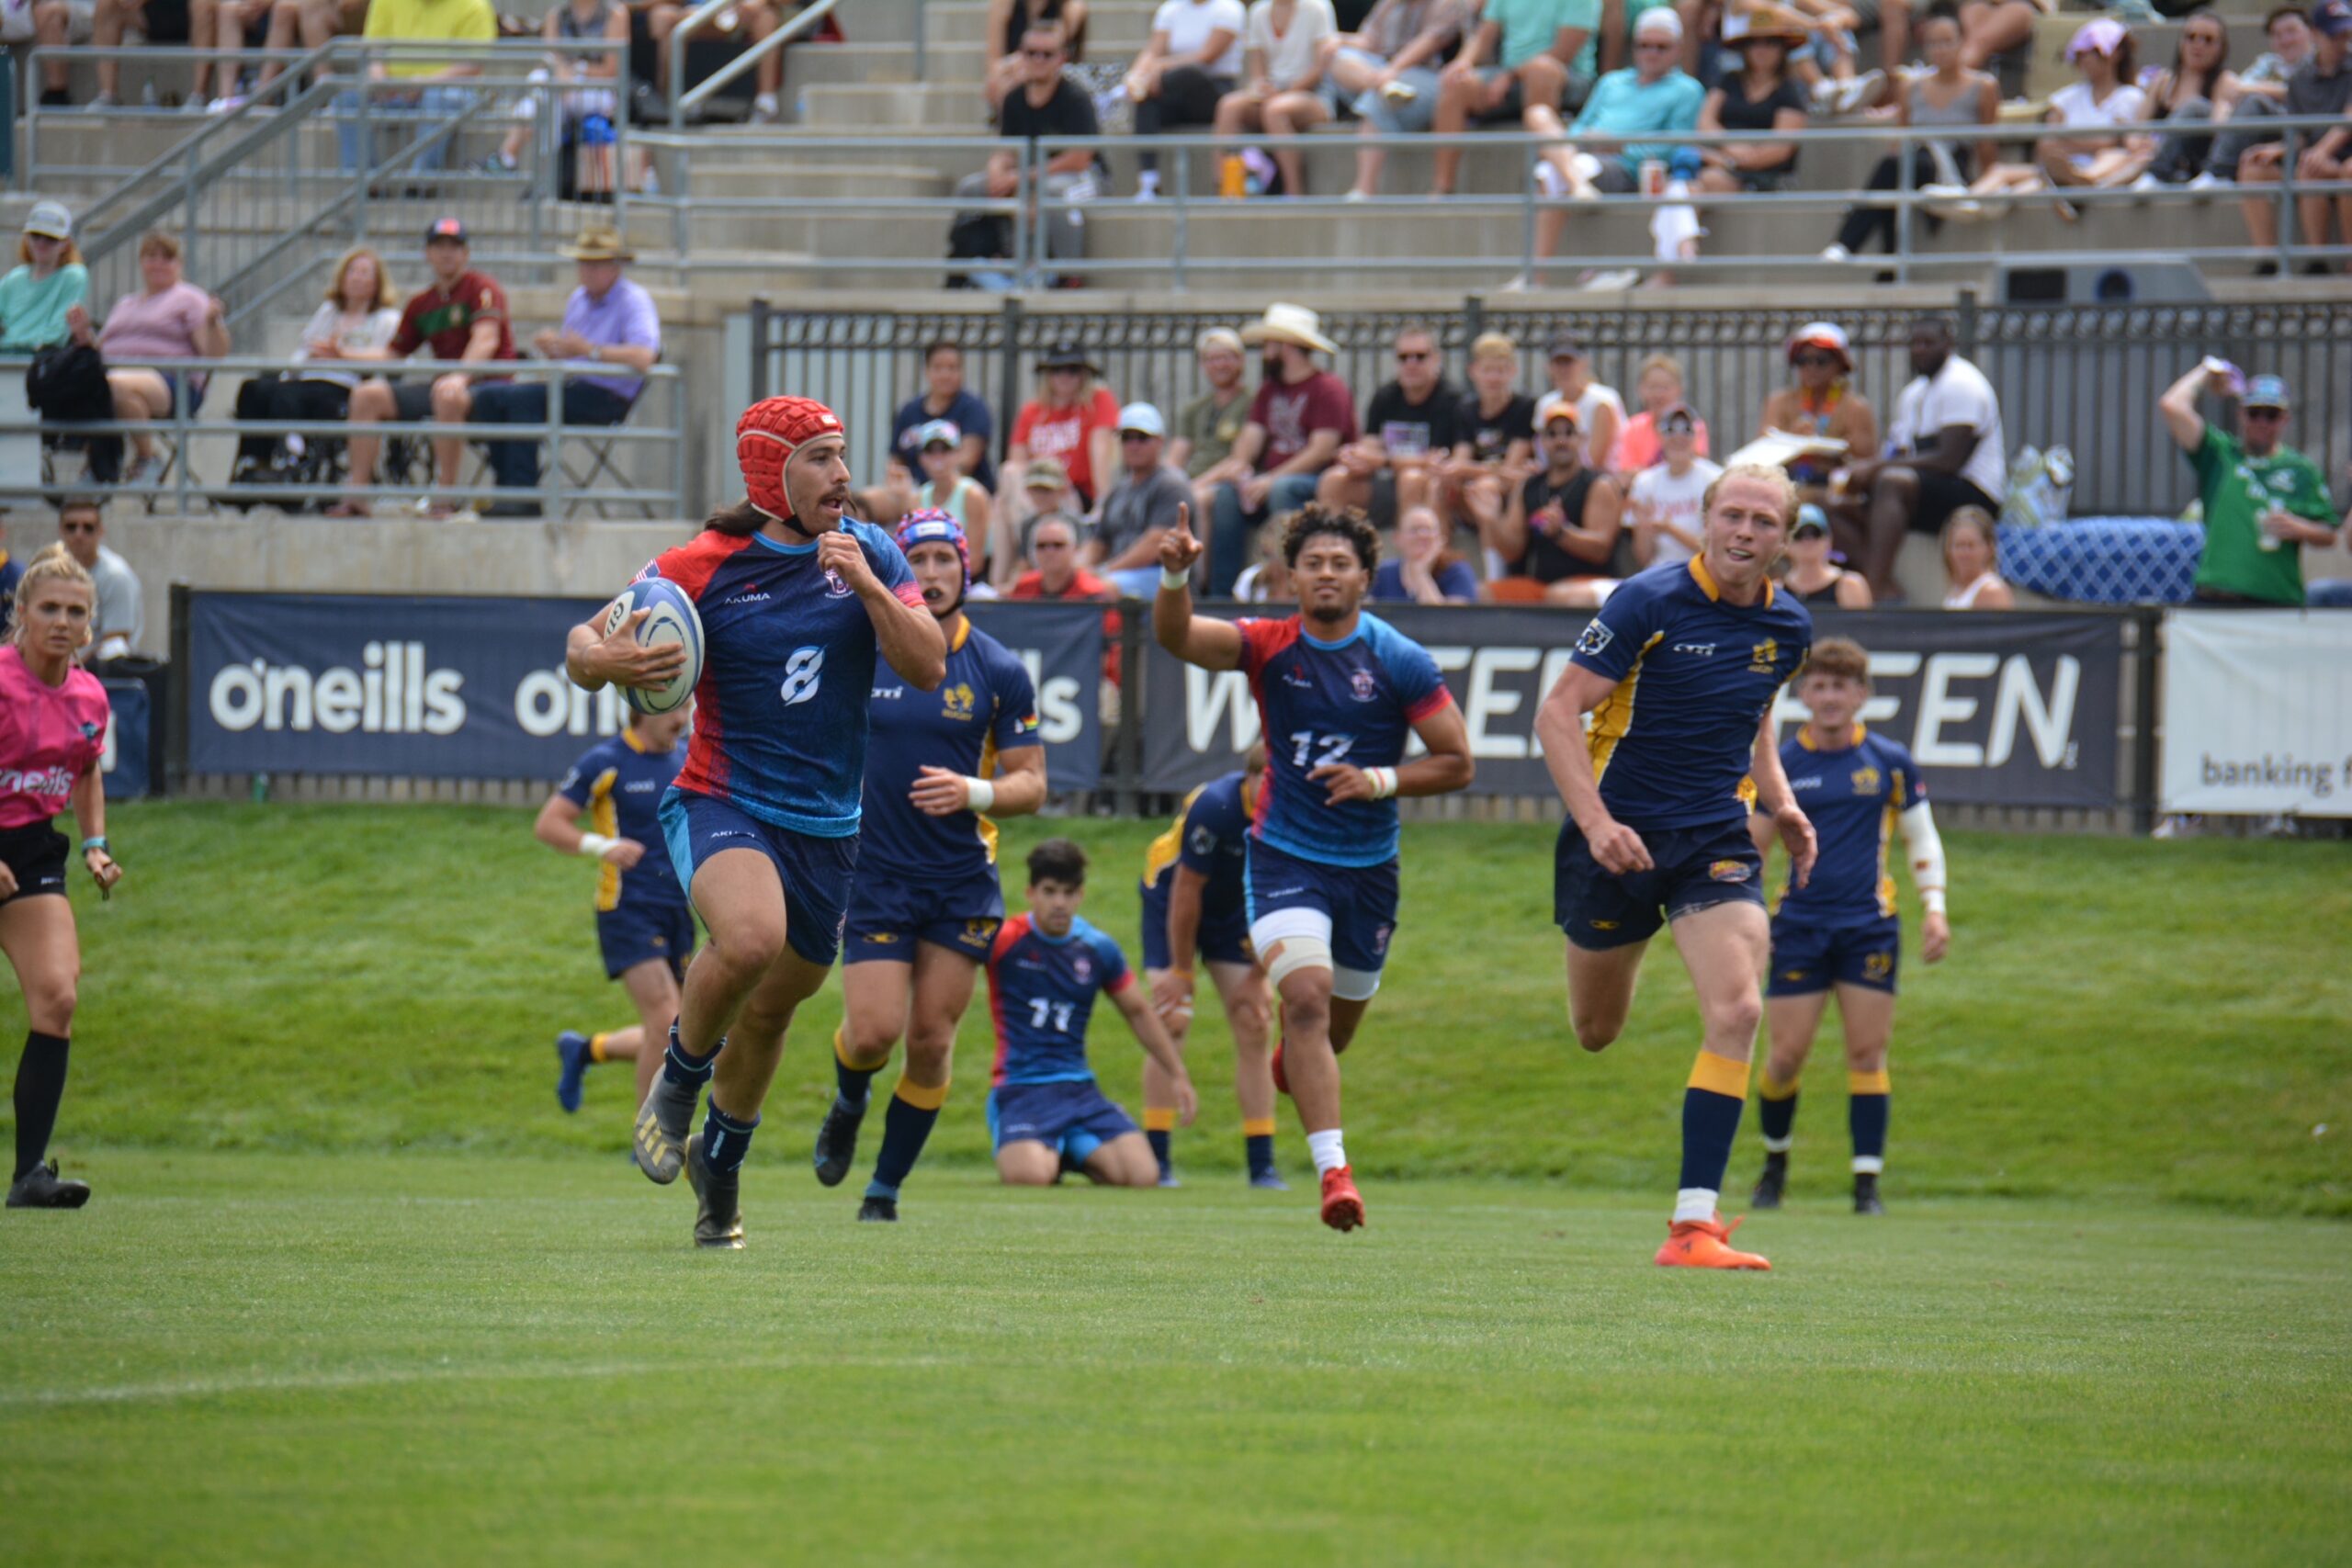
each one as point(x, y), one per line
point(796, 600)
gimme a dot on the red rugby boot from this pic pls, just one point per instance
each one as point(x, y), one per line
point(1706, 1243)
point(1343, 1205)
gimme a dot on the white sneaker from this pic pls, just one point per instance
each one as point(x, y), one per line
point(1825, 95)
point(1357, 196)
point(101, 101)
point(764, 110)
point(1853, 95)
point(1520, 285)
point(2208, 181)
point(1835, 254)
point(1549, 181)
point(1613, 279)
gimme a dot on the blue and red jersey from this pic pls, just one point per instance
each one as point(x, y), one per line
point(1041, 994)
point(986, 706)
point(1853, 794)
point(789, 657)
point(1352, 701)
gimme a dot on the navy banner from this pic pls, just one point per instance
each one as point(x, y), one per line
point(463, 688)
point(129, 725)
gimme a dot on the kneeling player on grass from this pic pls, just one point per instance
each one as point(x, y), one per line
point(1340, 692)
point(926, 905)
point(645, 928)
point(1045, 1112)
point(1839, 928)
point(1680, 669)
point(1194, 910)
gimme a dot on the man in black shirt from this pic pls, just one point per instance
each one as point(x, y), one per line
point(1410, 431)
point(1564, 526)
point(1049, 104)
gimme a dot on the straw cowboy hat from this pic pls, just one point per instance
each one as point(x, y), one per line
point(1290, 323)
point(1766, 21)
point(600, 243)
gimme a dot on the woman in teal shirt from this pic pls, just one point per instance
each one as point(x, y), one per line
point(52, 280)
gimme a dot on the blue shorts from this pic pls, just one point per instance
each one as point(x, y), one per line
point(816, 873)
point(1356, 903)
point(888, 914)
point(657, 928)
point(1808, 959)
point(1692, 869)
point(1072, 1118)
point(1222, 938)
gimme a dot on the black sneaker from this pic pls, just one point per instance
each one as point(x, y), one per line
point(719, 1215)
point(1866, 1194)
point(1771, 1184)
point(41, 1188)
point(837, 1142)
point(879, 1211)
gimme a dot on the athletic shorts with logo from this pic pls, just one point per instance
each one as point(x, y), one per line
point(1360, 900)
point(1072, 1117)
point(36, 852)
point(1692, 869)
point(1807, 958)
point(816, 872)
point(888, 915)
point(640, 930)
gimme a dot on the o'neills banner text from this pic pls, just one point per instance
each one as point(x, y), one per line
point(2258, 712)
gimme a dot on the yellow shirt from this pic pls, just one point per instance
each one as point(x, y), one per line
point(429, 21)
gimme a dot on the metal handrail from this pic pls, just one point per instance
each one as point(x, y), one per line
point(681, 101)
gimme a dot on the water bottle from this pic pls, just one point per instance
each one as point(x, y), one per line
point(596, 130)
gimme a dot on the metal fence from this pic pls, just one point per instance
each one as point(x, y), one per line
point(2086, 377)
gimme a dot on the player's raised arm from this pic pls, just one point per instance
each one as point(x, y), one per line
point(1196, 639)
point(904, 627)
point(1559, 729)
point(1135, 1006)
point(1776, 800)
point(596, 659)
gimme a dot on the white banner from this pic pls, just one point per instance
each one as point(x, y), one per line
point(2258, 712)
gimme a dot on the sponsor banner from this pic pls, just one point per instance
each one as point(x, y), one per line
point(129, 722)
point(2000, 710)
point(466, 688)
point(2257, 714)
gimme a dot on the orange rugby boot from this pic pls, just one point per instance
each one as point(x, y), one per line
point(1343, 1205)
point(1706, 1243)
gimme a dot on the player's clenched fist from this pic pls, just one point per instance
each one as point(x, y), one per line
point(840, 554)
point(1619, 849)
point(1178, 549)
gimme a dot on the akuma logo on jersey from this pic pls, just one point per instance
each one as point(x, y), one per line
point(1292, 678)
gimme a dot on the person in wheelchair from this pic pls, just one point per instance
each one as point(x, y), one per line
point(355, 325)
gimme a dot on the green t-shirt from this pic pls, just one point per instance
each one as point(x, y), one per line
point(32, 314)
point(1530, 25)
point(2237, 490)
point(1211, 430)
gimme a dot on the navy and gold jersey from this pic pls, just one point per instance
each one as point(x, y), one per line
point(1208, 836)
point(1673, 743)
point(1041, 994)
point(986, 706)
point(1853, 795)
point(618, 783)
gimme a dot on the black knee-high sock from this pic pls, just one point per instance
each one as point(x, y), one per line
point(906, 1127)
point(41, 1084)
point(851, 1083)
point(1776, 1108)
point(1866, 1107)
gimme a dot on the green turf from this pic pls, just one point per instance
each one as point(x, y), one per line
point(263, 1359)
point(2124, 1019)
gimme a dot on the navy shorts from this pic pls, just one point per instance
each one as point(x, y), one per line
point(1692, 869)
point(1358, 901)
point(36, 852)
point(659, 929)
point(1074, 1118)
point(888, 914)
point(816, 873)
point(1222, 938)
point(1808, 959)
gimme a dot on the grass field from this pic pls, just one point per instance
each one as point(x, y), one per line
point(354, 1289)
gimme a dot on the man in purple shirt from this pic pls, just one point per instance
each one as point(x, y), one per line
point(608, 320)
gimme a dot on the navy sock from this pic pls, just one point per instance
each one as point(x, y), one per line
point(1158, 1142)
point(1866, 1112)
point(1776, 1114)
point(40, 1085)
point(906, 1126)
point(853, 1084)
point(1262, 1153)
point(1710, 1108)
point(725, 1141)
point(686, 1069)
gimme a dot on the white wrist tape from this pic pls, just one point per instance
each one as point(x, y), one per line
point(979, 795)
point(1927, 846)
point(594, 845)
point(1932, 898)
point(1172, 581)
point(1384, 781)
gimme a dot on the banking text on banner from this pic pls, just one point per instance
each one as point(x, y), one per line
point(2258, 712)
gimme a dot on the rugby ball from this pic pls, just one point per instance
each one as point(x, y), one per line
point(670, 619)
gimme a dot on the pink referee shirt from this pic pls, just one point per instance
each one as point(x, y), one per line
point(49, 737)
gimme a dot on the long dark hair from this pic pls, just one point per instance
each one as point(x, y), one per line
point(740, 521)
point(2205, 88)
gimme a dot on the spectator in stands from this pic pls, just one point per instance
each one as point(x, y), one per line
point(1299, 420)
point(1058, 575)
point(752, 19)
point(1542, 52)
point(354, 325)
point(1824, 403)
point(11, 573)
point(1073, 419)
point(1191, 61)
point(1763, 101)
point(2263, 499)
point(588, 85)
point(1653, 98)
point(1207, 427)
point(1282, 58)
point(1144, 504)
point(2093, 112)
point(1948, 94)
point(1385, 73)
point(1566, 524)
point(58, 24)
point(2187, 96)
point(1049, 104)
point(121, 622)
point(1971, 550)
point(307, 23)
point(1267, 579)
point(1010, 23)
point(944, 397)
point(609, 324)
point(2322, 86)
point(946, 486)
point(1409, 432)
point(1046, 492)
point(237, 26)
point(1600, 411)
point(1947, 453)
point(1814, 580)
point(1422, 570)
point(1666, 501)
point(158, 22)
point(1659, 388)
point(169, 318)
point(1497, 436)
point(430, 87)
point(1991, 28)
point(47, 281)
point(2288, 31)
point(461, 316)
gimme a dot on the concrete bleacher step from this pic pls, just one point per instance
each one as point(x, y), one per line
point(815, 65)
point(944, 107)
point(792, 181)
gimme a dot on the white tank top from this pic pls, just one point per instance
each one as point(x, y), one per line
point(1965, 598)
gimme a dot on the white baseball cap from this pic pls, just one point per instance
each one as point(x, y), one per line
point(1660, 19)
point(1143, 419)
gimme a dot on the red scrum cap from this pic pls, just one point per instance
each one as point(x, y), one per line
point(767, 436)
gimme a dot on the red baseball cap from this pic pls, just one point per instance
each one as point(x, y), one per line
point(767, 436)
point(446, 228)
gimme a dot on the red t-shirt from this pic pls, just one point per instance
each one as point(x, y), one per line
point(1084, 585)
point(1061, 434)
point(444, 320)
point(1289, 414)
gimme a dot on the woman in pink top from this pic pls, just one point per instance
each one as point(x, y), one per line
point(52, 727)
point(173, 319)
